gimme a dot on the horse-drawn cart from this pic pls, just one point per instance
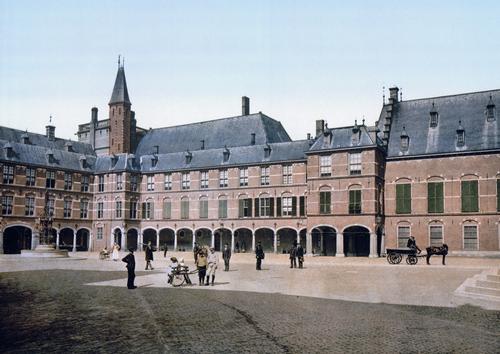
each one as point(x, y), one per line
point(395, 255)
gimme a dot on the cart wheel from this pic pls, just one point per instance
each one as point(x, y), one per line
point(177, 280)
point(411, 259)
point(394, 258)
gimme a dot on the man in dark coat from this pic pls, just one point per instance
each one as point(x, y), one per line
point(412, 244)
point(300, 255)
point(293, 255)
point(130, 260)
point(259, 255)
point(149, 256)
point(226, 255)
point(165, 249)
point(196, 250)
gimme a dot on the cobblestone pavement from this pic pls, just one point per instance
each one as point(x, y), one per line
point(46, 311)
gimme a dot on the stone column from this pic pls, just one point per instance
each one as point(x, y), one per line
point(139, 241)
point(213, 238)
point(382, 244)
point(340, 245)
point(309, 243)
point(373, 245)
point(91, 244)
point(157, 240)
point(321, 242)
point(57, 240)
point(275, 239)
point(74, 241)
point(1, 242)
point(112, 240)
point(253, 240)
point(232, 242)
point(35, 240)
point(175, 240)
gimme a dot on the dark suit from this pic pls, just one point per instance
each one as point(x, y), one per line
point(226, 255)
point(130, 260)
point(300, 255)
point(259, 254)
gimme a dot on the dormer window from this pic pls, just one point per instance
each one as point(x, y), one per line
point(9, 151)
point(83, 161)
point(460, 134)
point(189, 157)
point(50, 156)
point(225, 154)
point(405, 140)
point(154, 161)
point(434, 116)
point(267, 151)
point(69, 146)
point(490, 111)
point(25, 139)
point(114, 160)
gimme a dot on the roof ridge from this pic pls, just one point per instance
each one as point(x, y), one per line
point(452, 95)
point(207, 121)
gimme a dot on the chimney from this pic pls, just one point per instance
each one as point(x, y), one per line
point(252, 141)
point(393, 94)
point(245, 106)
point(156, 149)
point(50, 132)
point(94, 115)
point(308, 136)
point(320, 127)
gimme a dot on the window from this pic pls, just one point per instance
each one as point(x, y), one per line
point(118, 209)
point(469, 197)
point(355, 201)
point(325, 165)
point(204, 179)
point(325, 202)
point(51, 205)
point(434, 117)
point(50, 179)
point(133, 183)
point(8, 174)
point(355, 163)
point(133, 209)
point(287, 206)
point(264, 176)
point(100, 233)
point(243, 177)
point(264, 206)
point(498, 194)
point(403, 198)
point(436, 235)
point(403, 236)
point(302, 206)
point(84, 208)
point(68, 181)
point(245, 208)
point(30, 176)
point(167, 209)
point(150, 183)
point(435, 200)
point(186, 180)
point(67, 208)
point(7, 204)
point(203, 208)
point(287, 174)
point(84, 187)
point(185, 208)
point(101, 183)
point(29, 206)
point(119, 182)
point(168, 181)
point(470, 237)
point(222, 208)
point(223, 178)
point(100, 210)
point(148, 209)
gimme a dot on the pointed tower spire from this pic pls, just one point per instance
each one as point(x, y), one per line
point(120, 91)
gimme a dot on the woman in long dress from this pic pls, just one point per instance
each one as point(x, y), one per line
point(116, 255)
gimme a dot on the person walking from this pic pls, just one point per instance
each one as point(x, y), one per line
point(196, 250)
point(115, 255)
point(259, 255)
point(165, 249)
point(293, 255)
point(213, 262)
point(226, 255)
point(300, 255)
point(130, 260)
point(201, 265)
point(149, 256)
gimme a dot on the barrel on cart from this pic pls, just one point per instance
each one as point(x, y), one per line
point(395, 255)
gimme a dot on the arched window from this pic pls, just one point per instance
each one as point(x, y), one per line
point(325, 200)
point(203, 207)
point(222, 207)
point(184, 208)
point(355, 199)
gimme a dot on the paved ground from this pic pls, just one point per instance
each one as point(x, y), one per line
point(53, 306)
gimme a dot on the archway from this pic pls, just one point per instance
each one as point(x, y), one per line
point(16, 238)
point(132, 239)
point(243, 240)
point(149, 235)
point(117, 236)
point(324, 241)
point(266, 238)
point(221, 237)
point(203, 237)
point(66, 239)
point(286, 238)
point(82, 240)
point(303, 238)
point(167, 238)
point(357, 241)
point(184, 240)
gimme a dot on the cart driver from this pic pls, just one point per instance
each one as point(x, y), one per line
point(412, 244)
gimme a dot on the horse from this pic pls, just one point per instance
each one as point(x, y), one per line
point(442, 250)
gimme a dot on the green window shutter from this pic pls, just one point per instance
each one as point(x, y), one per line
point(439, 197)
point(144, 210)
point(278, 207)
point(257, 214)
point(474, 196)
point(271, 207)
point(469, 196)
point(302, 206)
point(431, 197)
point(240, 207)
point(328, 202)
point(498, 194)
point(403, 198)
point(249, 207)
point(294, 206)
point(465, 200)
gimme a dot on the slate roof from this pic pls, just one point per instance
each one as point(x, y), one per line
point(469, 108)
point(120, 91)
point(342, 138)
point(234, 131)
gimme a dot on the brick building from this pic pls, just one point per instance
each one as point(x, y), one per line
point(428, 167)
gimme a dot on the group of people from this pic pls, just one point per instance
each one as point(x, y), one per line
point(296, 252)
point(206, 262)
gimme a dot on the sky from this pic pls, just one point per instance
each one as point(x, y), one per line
point(189, 61)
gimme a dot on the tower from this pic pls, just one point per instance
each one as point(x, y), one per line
point(120, 115)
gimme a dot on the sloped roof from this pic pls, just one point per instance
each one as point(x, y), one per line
point(342, 138)
point(234, 131)
point(120, 91)
point(120, 162)
point(468, 108)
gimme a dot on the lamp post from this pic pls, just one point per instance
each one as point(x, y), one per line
point(45, 221)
